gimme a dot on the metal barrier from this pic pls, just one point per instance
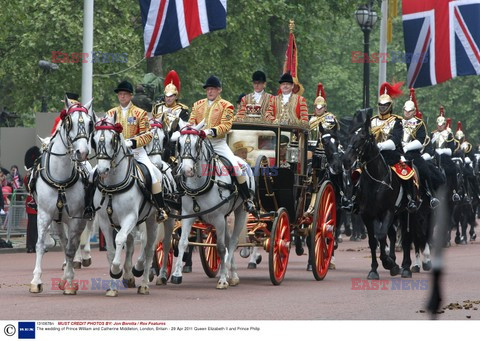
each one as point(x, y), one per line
point(15, 219)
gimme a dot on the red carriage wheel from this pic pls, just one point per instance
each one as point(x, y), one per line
point(323, 230)
point(158, 260)
point(279, 247)
point(208, 254)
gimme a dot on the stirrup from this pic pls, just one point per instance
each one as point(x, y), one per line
point(434, 202)
point(412, 206)
point(455, 197)
point(161, 215)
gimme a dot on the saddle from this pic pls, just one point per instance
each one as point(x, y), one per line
point(403, 171)
point(144, 180)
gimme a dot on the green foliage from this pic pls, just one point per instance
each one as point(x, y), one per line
point(256, 38)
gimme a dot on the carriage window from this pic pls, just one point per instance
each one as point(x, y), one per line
point(250, 144)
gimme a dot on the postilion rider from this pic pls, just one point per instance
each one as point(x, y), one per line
point(136, 131)
point(217, 114)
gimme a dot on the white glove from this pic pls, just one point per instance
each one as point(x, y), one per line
point(427, 157)
point(128, 143)
point(413, 145)
point(467, 160)
point(175, 136)
point(387, 145)
point(209, 132)
point(2, 212)
point(446, 151)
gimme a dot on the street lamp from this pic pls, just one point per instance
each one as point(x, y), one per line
point(366, 18)
point(47, 67)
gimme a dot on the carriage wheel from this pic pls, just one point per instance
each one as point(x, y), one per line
point(323, 231)
point(279, 247)
point(158, 259)
point(209, 255)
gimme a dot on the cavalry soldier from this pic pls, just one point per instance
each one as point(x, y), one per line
point(136, 131)
point(465, 151)
point(413, 141)
point(257, 102)
point(388, 131)
point(217, 114)
point(287, 108)
point(170, 110)
point(443, 144)
point(322, 117)
point(141, 99)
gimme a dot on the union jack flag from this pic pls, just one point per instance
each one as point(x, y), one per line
point(442, 39)
point(170, 25)
point(15, 180)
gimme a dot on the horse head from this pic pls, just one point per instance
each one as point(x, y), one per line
point(77, 126)
point(189, 147)
point(331, 144)
point(359, 140)
point(108, 144)
point(156, 148)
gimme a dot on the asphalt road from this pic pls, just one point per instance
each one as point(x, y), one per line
point(340, 296)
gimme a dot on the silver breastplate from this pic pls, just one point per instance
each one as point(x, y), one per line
point(409, 130)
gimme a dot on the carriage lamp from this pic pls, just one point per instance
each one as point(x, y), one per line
point(293, 152)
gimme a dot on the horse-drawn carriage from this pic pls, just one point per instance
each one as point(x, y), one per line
point(292, 202)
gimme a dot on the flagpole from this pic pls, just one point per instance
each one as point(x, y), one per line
point(382, 72)
point(87, 68)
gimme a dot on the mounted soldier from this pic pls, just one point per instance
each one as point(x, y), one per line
point(413, 141)
point(170, 110)
point(443, 144)
point(465, 151)
point(328, 122)
point(388, 131)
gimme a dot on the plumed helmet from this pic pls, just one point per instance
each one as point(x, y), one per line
point(171, 83)
point(321, 99)
point(441, 119)
point(387, 93)
point(459, 134)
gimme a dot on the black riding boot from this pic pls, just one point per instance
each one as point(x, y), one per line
point(162, 214)
point(248, 203)
point(411, 192)
point(434, 202)
point(89, 211)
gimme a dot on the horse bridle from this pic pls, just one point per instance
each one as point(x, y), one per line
point(156, 147)
point(101, 149)
point(187, 147)
point(82, 133)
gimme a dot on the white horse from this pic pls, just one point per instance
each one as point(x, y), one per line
point(155, 150)
point(60, 192)
point(120, 203)
point(209, 195)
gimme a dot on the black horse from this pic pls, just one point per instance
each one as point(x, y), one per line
point(378, 193)
point(463, 210)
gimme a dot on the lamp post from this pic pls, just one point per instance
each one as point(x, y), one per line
point(47, 67)
point(366, 19)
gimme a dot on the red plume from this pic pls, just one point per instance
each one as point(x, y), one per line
point(442, 111)
point(413, 99)
point(393, 91)
point(449, 123)
point(321, 91)
point(419, 115)
point(459, 126)
point(172, 77)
